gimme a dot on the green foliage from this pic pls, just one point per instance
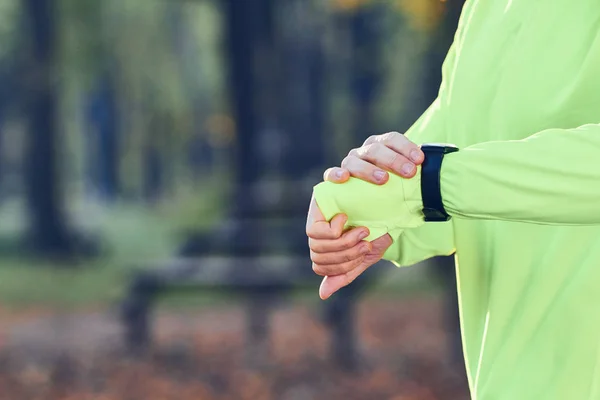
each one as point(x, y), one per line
point(166, 58)
point(10, 14)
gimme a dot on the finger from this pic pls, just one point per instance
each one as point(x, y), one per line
point(337, 225)
point(402, 145)
point(382, 243)
point(314, 213)
point(340, 257)
point(333, 283)
point(371, 139)
point(337, 269)
point(384, 157)
point(365, 171)
point(315, 221)
point(336, 175)
point(348, 240)
point(327, 230)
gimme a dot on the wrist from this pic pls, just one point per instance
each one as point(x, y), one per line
point(381, 208)
point(412, 196)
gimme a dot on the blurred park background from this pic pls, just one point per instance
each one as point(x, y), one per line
point(156, 162)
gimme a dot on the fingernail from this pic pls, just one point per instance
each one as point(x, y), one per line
point(363, 235)
point(379, 175)
point(364, 250)
point(339, 174)
point(415, 155)
point(407, 168)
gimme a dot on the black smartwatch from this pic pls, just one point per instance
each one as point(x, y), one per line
point(433, 208)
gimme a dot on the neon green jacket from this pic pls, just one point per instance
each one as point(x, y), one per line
point(521, 98)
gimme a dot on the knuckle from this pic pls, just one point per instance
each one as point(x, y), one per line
point(348, 241)
point(396, 138)
point(371, 139)
point(349, 257)
point(333, 235)
point(314, 252)
point(317, 269)
point(372, 150)
point(337, 233)
point(353, 153)
point(309, 233)
point(389, 136)
point(347, 161)
point(357, 252)
point(314, 256)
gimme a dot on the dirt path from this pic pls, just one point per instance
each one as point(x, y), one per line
point(198, 355)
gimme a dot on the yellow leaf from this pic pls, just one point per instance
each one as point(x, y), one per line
point(423, 15)
point(349, 5)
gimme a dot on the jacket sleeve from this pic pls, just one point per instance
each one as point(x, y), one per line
point(411, 246)
point(552, 177)
point(432, 239)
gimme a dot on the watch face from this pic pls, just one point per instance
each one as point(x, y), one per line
point(443, 148)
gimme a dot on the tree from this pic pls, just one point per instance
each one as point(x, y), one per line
point(302, 58)
point(103, 141)
point(48, 229)
point(366, 38)
point(243, 36)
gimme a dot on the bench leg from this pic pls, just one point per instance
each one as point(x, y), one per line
point(135, 313)
point(342, 317)
point(258, 332)
point(137, 325)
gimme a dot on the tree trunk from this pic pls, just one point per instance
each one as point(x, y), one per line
point(366, 70)
point(241, 33)
point(305, 101)
point(153, 179)
point(104, 149)
point(48, 231)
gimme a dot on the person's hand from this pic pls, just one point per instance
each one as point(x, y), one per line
point(379, 154)
point(340, 255)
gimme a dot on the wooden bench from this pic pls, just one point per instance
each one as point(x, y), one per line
point(262, 282)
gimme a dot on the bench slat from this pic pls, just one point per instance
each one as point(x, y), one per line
point(237, 272)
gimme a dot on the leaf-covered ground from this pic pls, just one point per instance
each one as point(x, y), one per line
point(201, 355)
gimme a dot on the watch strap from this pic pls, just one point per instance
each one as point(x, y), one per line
point(433, 207)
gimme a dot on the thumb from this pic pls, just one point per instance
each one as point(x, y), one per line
point(331, 284)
